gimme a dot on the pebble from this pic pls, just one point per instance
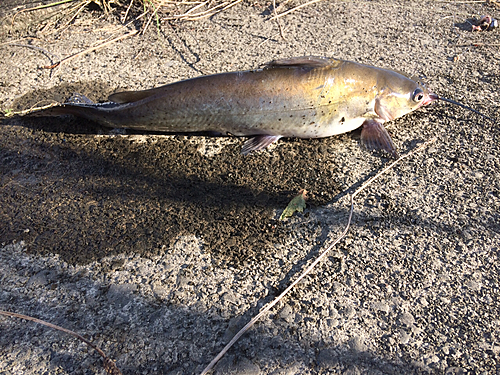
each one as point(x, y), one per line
point(406, 319)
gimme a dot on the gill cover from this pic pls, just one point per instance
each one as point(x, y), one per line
point(399, 96)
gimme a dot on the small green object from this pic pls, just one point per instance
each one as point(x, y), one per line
point(296, 204)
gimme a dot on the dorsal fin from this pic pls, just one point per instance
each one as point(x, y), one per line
point(301, 62)
point(133, 96)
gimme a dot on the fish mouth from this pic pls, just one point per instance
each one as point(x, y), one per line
point(429, 98)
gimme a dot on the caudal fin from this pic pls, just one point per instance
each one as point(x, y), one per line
point(71, 107)
point(77, 105)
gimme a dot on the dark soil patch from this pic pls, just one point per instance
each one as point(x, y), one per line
point(85, 197)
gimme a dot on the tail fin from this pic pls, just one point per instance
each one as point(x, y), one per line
point(77, 105)
point(55, 110)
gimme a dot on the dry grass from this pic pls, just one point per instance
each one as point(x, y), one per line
point(59, 14)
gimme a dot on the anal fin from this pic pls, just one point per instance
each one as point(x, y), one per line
point(376, 138)
point(258, 142)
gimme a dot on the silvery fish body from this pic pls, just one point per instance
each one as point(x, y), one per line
point(304, 97)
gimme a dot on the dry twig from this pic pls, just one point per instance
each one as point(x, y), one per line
point(40, 7)
point(318, 259)
point(9, 113)
point(85, 3)
point(109, 364)
point(90, 49)
point(155, 13)
point(294, 9)
point(44, 51)
point(477, 44)
point(277, 20)
point(128, 10)
point(190, 16)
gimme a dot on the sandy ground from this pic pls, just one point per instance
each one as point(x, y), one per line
point(159, 248)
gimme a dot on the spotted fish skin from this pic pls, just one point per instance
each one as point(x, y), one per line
point(304, 97)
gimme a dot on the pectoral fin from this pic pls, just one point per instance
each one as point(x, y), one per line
point(258, 142)
point(375, 138)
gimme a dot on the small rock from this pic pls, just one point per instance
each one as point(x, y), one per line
point(121, 294)
point(160, 291)
point(293, 369)
point(380, 306)
point(357, 344)
point(287, 314)
point(445, 300)
point(332, 323)
point(338, 288)
point(39, 279)
point(404, 338)
point(334, 314)
point(431, 359)
point(246, 367)
point(237, 366)
point(229, 298)
point(407, 319)
point(473, 285)
point(298, 318)
point(42, 278)
point(235, 324)
point(454, 371)
point(349, 312)
point(327, 358)
point(352, 370)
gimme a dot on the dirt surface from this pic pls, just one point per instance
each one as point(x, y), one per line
point(160, 247)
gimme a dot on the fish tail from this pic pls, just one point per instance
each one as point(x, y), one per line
point(57, 110)
point(86, 112)
point(73, 106)
point(77, 105)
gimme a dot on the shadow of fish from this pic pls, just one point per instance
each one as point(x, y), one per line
point(303, 97)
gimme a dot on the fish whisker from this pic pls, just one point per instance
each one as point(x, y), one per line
point(466, 107)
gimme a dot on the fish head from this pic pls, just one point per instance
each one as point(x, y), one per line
point(401, 95)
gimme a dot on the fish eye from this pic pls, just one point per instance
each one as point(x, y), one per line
point(418, 95)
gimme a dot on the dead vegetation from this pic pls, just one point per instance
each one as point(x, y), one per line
point(132, 17)
point(58, 15)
